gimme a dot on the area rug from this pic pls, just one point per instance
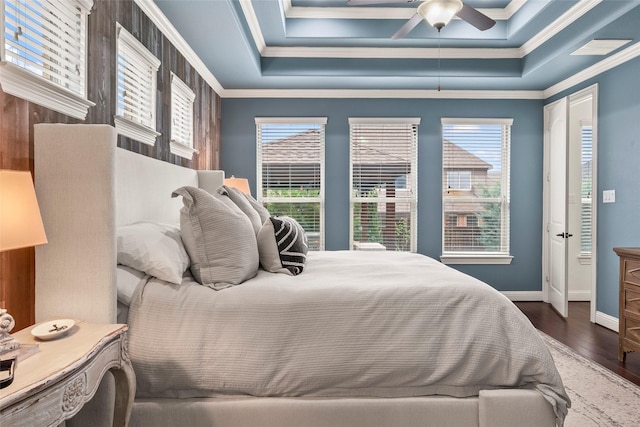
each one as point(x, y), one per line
point(599, 397)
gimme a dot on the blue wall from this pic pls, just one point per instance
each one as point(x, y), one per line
point(618, 169)
point(523, 274)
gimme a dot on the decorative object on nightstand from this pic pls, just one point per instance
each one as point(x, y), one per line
point(20, 227)
point(241, 184)
point(53, 329)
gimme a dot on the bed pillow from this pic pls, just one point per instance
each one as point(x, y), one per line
point(261, 210)
point(283, 245)
point(241, 202)
point(153, 248)
point(127, 281)
point(218, 237)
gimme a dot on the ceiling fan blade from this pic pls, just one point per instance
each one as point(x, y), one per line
point(370, 2)
point(475, 18)
point(407, 27)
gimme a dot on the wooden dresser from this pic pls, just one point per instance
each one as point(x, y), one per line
point(629, 320)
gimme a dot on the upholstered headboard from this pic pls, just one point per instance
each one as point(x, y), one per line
point(86, 188)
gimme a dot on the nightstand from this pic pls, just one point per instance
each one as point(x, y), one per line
point(53, 384)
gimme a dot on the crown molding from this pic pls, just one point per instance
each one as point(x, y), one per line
point(389, 52)
point(563, 21)
point(152, 11)
point(254, 25)
point(290, 11)
point(383, 93)
point(538, 40)
point(606, 64)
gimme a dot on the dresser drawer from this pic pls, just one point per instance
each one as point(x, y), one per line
point(632, 271)
point(632, 331)
point(632, 302)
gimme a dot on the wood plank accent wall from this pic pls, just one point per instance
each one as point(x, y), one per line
point(17, 118)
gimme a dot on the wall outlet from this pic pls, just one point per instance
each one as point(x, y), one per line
point(609, 196)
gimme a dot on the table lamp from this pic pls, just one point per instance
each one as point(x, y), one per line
point(20, 227)
point(241, 184)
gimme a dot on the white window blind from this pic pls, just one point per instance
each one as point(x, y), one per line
point(48, 38)
point(383, 154)
point(586, 191)
point(182, 98)
point(290, 162)
point(136, 86)
point(476, 209)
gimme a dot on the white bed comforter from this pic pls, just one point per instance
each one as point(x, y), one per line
point(381, 324)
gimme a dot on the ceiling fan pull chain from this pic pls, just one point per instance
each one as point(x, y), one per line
point(438, 59)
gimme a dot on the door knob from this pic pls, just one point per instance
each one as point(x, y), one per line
point(564, 235)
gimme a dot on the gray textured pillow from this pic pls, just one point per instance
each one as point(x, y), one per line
point(283, 245)
point(238, 197)
point(262, 211)
point(218, 237)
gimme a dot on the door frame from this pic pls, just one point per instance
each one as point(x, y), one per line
point(591, 91)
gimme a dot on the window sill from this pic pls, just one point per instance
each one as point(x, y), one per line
point(182, 150)
point(134, 130)
point(475, 259)
point(24, 84)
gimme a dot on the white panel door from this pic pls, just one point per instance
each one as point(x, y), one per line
point(557, 129)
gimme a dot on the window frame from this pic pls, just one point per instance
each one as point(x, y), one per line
point(458, 174)
point(259, 121)
point(472, 257)
point(128, 127)
point(22, 83)
point(413, 184)
point(182, 94)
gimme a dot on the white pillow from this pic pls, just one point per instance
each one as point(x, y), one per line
point(127, 281)
point(153, 248)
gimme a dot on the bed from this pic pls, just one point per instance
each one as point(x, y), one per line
point(355, 339)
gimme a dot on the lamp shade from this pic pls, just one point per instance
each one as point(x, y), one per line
point(439, 13)
point(20, 221)
point(241, 184)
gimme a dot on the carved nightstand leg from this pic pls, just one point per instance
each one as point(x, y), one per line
point(125, 380)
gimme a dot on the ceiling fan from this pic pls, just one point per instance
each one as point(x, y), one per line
point(437, 13)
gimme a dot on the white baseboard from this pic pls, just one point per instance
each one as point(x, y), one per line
point(607, 321)
point(523, 295)
point(579, 295)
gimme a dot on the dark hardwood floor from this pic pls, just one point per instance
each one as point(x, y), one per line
point(592, 341)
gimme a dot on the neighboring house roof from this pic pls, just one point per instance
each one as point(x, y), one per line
point(298, 148)
point(463, 158)
point(376, 160)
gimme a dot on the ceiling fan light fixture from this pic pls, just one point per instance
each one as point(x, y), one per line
point(439, 13)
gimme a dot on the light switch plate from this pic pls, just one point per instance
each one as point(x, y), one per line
point(609, 196)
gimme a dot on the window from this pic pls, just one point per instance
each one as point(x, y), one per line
point(587, 182)
point(182, 98)
point(290, 159)
point(136, 89)
point(459, 180)
point(475, 196)
point(43, 53)
point(384, 182)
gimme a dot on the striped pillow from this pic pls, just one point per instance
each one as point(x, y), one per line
point(282, 245)
point(219, 239)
